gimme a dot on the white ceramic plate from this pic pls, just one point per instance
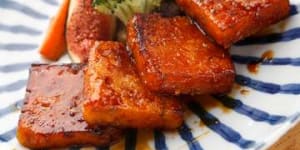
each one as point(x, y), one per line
point(261, 107)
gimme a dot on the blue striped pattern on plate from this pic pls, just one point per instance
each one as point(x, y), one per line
point(259, 109)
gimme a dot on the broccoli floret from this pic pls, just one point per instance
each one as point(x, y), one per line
point(125, 9)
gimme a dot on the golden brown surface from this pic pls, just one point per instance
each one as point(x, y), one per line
point(86, 24)
point(117, 97)
point(173, 56)
point(52, 116)
point(232, 20)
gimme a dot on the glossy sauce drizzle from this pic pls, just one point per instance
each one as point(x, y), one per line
point(253, 67)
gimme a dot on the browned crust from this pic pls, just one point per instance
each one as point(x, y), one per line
point(117, 97)
point(85, 24)
point(51, 116)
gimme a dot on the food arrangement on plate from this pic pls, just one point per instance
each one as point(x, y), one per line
point(136, 65)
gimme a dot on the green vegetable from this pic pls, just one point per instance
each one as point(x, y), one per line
point(125, 9)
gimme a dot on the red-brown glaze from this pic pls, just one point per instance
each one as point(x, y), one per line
point(87, 24)
point(267, 55)
point(173, 56)
point(51, 116)
point(229, 21)
point(253, 67)
point(116, 96)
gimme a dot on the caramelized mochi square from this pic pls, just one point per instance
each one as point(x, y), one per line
point(173, 56)
point(116, 96)
point(51, 116)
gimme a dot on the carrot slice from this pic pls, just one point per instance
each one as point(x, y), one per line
point(54, 44)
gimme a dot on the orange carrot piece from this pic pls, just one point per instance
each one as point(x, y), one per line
point(54, 44)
